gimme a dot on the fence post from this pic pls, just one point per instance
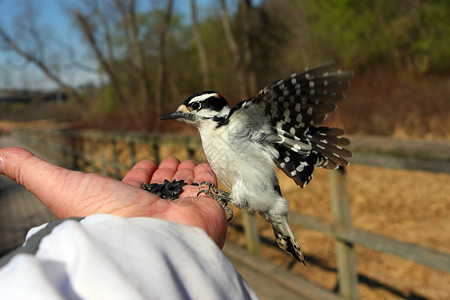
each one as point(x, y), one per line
point(251, 233)
point(348, 277)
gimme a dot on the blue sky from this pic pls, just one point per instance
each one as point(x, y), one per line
point(12, 70)
point(54, 21)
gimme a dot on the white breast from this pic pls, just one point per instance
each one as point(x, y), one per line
point(242, 165)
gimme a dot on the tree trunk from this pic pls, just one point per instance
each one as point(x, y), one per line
point(107, 34)
point(200, 48)
point(235, 51)
point(249, 70)
point(161, 67)
point(135, 53)
point(144, 78)
point(88, 33)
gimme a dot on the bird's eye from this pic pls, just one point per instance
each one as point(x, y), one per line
point(195, 105)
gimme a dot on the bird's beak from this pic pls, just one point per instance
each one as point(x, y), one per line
point(173, 115)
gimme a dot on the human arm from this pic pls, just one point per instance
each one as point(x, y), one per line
point(71, 193)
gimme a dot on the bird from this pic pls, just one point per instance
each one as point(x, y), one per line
point(277, 126)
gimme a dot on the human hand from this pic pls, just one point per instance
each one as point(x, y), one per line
point(76, 194)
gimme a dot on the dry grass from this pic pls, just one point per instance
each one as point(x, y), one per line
point(406, 205)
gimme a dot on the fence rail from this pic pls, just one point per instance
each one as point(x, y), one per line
point(86, 151)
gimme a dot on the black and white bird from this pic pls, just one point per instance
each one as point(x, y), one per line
point(278, 125)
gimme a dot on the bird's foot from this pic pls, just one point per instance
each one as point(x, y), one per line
point(221, 196)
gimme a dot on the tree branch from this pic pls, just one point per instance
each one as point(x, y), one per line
point(87, 31)
point(38, 63)
point(159, 96)
point(200, 47)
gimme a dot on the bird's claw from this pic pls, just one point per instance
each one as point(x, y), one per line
point(221, 196)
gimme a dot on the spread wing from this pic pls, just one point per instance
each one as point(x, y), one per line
point(294, 107)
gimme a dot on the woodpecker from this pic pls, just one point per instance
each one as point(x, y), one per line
point(278, 125)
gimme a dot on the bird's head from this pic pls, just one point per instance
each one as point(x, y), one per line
point(200, 108)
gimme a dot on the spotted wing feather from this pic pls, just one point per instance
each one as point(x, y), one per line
point(303, 100)
point(294, 107)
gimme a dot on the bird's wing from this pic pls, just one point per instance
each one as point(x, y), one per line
point(294, 107)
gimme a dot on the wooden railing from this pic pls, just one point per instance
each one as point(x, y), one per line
point(111, 153)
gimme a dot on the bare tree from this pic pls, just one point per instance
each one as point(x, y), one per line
point(38, 60)
point(161, 63)
point(88, 32)
point(144, 77)
point(107, 34)
point(200, 47)
point(136, 55)
point(245, 6)
point(235, 51)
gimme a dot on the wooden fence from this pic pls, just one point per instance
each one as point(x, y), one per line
point(96, 151)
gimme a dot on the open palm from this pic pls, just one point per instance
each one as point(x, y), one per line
point(70, 193)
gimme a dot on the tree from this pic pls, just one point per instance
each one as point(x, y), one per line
point(35, 53)
point(200, 48)
point(245, 7)
point(88, 32)
point(409, 35)
point(161, 67)
point(135, 50)
point(233, 45)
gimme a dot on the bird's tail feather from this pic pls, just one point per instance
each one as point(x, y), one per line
point(286, 240)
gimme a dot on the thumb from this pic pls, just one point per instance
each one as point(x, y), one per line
point(61, 190)
point(35, 174)
point(23, 166)
point(70, 193)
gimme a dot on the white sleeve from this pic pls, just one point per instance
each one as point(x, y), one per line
point(110, 257)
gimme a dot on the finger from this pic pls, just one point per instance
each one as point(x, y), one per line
point(185, 171)
point(44, 180)
point(203, 172)
point(140, 173)
point(24, 167)
point(166, 170)
point(67, 193)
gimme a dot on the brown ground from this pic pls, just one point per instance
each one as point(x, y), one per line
point(406, 205)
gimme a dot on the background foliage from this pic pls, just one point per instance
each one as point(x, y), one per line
point(400, 51)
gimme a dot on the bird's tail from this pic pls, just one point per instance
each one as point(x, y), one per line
point(286, 239)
